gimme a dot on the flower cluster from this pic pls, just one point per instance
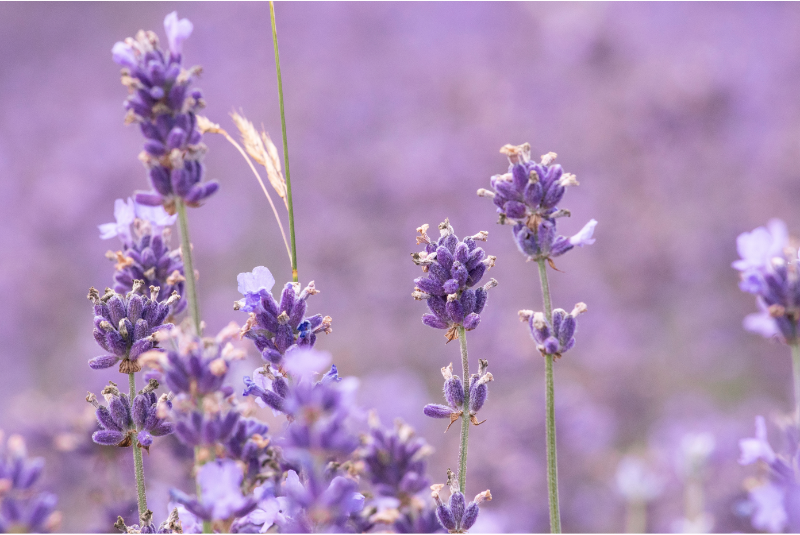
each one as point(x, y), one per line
point(768, 267)
point(278, 327)
point(145, 253)
point(395, 459)
point(454, 394)
point(527, 197)
point(558, 337)
point(125, 325)
point(774, 502)
point(453, 268)
point(457, 516)
point(120, 421)
point(22, 509)
point(165, 107)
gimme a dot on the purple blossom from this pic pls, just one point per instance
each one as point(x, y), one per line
point(221, 494)
point(125, 325)
point(453, 268)
point(120, 421)
point(124, 213)
point(769, 270)
point(165, 107)
point(22, 508)
point(457, 516)
point(558, 337)
point(317, 506)
point(177, 32)
point(584, 236)
point(454, 395)
point(277, 327)
point(758, 448)
point(395, 460)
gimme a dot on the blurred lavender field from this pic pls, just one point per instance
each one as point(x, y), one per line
point(681, 121)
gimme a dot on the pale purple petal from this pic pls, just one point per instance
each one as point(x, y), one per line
point(124, 214)
point(156, 215)
point(584, 236)
point(221, 482)
point(177, 31)
point(757, 448)
point(123, 55)
point(253, 282)
point(758, 247)
point(761, 322)
point(770, 514)
point(307, 362)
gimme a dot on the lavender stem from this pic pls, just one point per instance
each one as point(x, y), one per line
point(465, 421)
point(285, 143)
point(186, 249)
point(552, 465)
point(796, 374)
point(141, 498)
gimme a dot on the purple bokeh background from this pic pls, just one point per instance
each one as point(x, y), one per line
point(681, 121)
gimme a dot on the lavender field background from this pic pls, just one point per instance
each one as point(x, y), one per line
point(681, 121)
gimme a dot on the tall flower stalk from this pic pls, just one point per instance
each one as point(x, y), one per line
point(527, 197)
point(454, 267)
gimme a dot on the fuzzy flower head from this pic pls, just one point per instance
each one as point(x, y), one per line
point(162, 102)
point(455, 395)
point(457, 516)
point(453, 269)
point(121, 422)
point(126, 325)
point(317, 505)
point(220, 483)
point(277, 327)
point(554, 338)
point(769, 271)
point(145, 253)
point(23, 509)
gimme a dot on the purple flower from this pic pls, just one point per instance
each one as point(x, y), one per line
point(395, 460)
point(23, 509)
point(584, 236)
point(317, 506)
point(769, 513)
point(162, 102)
point(124, 213)
point(121, 421)
point(558, 337)
point(457, 516)
point(761, 245)
point(453, 268)
point(769, 270)
point(125, 325)
point(277, 327)
point(758, 448)
point(177, 32)
point(220, 485)
point(455, 395)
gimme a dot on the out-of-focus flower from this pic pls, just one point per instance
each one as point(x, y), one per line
point(637, 482)
point(221, 494)
point(22, 508)
point(758, 448)
point(453, 268)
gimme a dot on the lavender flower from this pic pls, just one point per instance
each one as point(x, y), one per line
point(125, 325)
point(320, 506)
point(145, 253)
point(769, 270)
point(454, 395)
point(278, 327)
point(120, 421)
point(23, 509)
point(171, 525)
point(457, 516)
point(395, 460)
point(555, 339)
point(165, 108)
point(222, 499)
point(774, 503)
point(453, 268)
point(527, 197)
point(319, 409)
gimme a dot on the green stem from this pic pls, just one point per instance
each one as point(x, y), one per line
point(462, 452)
point(141, 498)
point(636, 517)
point(796, 374)
point(188, 266)
point(285, 142)
point(550, 408)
